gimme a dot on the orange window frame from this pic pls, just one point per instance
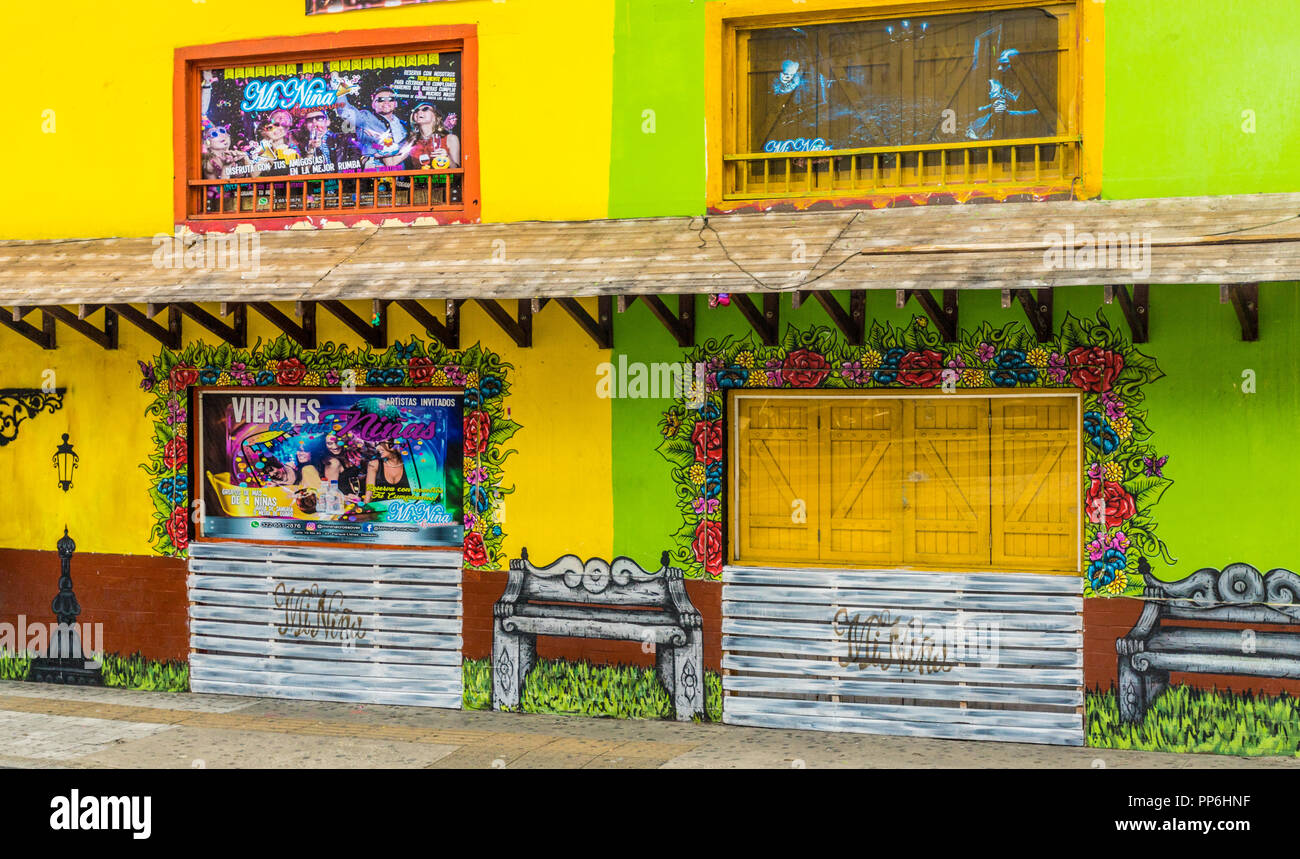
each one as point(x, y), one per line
point(1081, 95)
point(186, 141)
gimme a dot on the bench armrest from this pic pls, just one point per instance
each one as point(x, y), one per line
point(507, 606)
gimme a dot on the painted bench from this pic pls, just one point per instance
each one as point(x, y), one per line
point(613, 600)
point(1239, 594)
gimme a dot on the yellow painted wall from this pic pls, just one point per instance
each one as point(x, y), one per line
point(105, 70)
point(562, 470)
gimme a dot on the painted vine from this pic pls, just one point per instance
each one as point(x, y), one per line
point(282, 362)
point(1123, 475)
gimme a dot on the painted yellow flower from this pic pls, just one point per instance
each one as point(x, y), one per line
point(696, 473)
point(1112, 472)
point(973, 378)
point(224, 379)
point(745, 359)
point(1123, 426)
point(871, 360)
point(757, 379)
point(1037, 357)
point(439, 379)
point(163, 388)
point(471, 379)
point(311, 379)
point(1117, 586)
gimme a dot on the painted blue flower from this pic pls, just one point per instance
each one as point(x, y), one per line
point(490, 387)
point(711, 410)
point(385, 376)
point(473, 399)
point(174, 487)
point(713, 479)
point(1012, 369)
point(887, 373)
point(265, 377)
point(1099, 432)
point(478, 496)
point(496, 530)
point(732, 377)
point(209, 375)
point(1102, 571)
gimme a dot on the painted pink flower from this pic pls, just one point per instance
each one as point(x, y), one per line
point(476, 475)
point(1056, 367)
point(175, 412)
point(957, 362)
point(986, 351)
point(773, 369)
point(1114, 406)
point(853, 372)
point(704, 505)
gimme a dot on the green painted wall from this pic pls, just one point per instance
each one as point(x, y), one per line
point(1234, 495)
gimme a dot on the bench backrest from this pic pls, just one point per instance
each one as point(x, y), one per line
point(1238, 594)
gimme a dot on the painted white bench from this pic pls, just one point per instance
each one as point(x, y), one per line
point(613, 600)
point(1239, 594)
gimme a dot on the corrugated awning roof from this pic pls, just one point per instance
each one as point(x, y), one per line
point(1237, 239)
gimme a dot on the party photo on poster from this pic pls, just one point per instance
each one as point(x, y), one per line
point(317, 465)
point(368, 115)
point(318, 7)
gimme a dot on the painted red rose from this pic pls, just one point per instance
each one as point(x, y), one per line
point(708, 441)
point(475, 552)
point(290, 371)
point(478, 426)
point(420, 370)
point(182, 376)
point(805, 369)
point(178, 528)
point(1118, 503)
point(921, 369)
point(175, 453)
point(708, 546)
point(1094, 369)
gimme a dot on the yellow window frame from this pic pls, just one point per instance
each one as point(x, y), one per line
point(1081, 98)
point(996, 495)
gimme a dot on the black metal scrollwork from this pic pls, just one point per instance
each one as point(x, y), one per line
point(19, 404)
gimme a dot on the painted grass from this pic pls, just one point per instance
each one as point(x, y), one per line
point(125, 672)
point(14, 666)
point(1183, 719)
point(580, 688)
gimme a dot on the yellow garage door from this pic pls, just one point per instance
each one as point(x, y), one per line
point(929, 482)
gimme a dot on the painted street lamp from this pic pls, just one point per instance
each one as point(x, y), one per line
point(66, 661)
point(65, 460)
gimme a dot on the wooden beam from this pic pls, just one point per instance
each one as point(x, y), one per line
point(236, 334)
point(106, 338)
point(943, 316)
point(447, 333)
point(1245, 300)
point(1039, 310)
point(1137, 310)
point(682, 325)
point(375, 335)
point(304, 333)
point(767, 321)
point(519, 328)
point(42, 336)
point(169, 336)
point(600, 329)
point(853, 324)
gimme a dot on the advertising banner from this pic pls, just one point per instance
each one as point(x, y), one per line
point(334, 116)
point(317, 465)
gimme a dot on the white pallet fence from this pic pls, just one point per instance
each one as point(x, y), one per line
point(327, 624)
point(785, 666)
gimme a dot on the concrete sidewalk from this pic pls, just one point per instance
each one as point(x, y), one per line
point(43, 725)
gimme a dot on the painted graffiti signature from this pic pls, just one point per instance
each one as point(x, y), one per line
point(312, 612)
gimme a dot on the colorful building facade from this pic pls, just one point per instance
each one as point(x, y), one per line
point(917, 447)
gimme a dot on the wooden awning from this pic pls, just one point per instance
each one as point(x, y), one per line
point(919, 251)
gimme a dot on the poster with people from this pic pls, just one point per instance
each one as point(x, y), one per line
point(317, 465)
point(318, 7)
point(335, 116)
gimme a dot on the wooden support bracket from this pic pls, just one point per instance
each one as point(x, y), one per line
point(767, 321)
point(1039, 310)
point(304, 333)
point(447, 333)
point(169, 336)
point(1245, 300)
point(600, 329)
point(375, 335)
point(944, 316)
point(519, 328)
point(681, 326)
point(852, 324)
point(106, 337)
point(1137, 310)
point(42, 336)
point(236, 334)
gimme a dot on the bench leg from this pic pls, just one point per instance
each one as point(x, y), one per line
point(1131, 693)
point(513, 655)
point(682, 671)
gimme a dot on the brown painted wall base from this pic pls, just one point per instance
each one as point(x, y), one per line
point(1105, 620)
point(140, 600)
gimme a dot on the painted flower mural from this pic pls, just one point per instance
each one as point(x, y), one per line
point(1120, 485)
point(282, 362)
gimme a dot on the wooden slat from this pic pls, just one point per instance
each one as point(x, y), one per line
point(362, 651)
point(924, 714)
point(840, 649)
point(292, 555)
point(1020, 583)
point(450, 593)
point(369, 622)
point(357, 696)
point(899, 599)
point(822, 632)
point(262, 599)
point(438, 673)
point(381, 638)
point(341, 572)
point(1021, 675)
point(1071, 622)
point(869, 685)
